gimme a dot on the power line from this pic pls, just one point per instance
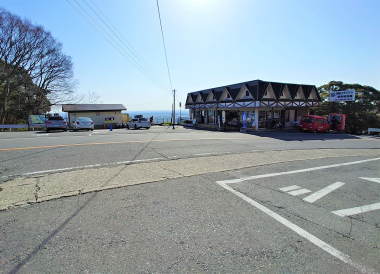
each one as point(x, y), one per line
point(106, 30)
point(103, 18)
point(164, 44)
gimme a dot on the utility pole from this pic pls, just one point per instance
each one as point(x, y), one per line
point(180, 105)
point(173, 108)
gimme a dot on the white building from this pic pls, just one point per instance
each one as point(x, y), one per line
point(101, 114)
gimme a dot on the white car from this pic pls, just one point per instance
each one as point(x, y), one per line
point(82, 123)
point(137, 123)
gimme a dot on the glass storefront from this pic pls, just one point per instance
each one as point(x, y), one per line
point(248, 119)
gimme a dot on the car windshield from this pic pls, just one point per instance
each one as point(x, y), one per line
point(55, 118)
point(84, 119)
point(307, 120)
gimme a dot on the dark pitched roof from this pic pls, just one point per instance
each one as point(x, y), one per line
point(262, 86)
point(277, 88)
point(204, 95)
point(234, 92)
point(293, 90)
point(254, 90)
point(92, 107)
point(306, 90)
point(217, 93)
point(194, 96)
point(257, 89)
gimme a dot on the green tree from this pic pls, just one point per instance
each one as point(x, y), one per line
point(362, 114)
point(34, 72)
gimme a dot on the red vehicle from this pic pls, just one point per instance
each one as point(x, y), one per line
point(314, 123)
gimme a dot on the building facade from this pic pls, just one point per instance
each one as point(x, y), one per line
point(102, 114)
point(252, 105)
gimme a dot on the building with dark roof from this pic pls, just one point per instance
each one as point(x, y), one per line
point(101, 114)
point(254, 104)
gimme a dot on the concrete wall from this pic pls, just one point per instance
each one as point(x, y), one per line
point(98, 117)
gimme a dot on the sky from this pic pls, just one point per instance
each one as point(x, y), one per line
point(209, 43)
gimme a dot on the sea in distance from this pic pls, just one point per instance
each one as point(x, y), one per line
point(160, 116)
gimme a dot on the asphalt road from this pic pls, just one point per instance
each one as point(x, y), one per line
point(192, 224)
point(33, 151)
point(305, 216)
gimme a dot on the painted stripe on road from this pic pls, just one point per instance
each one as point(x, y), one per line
point(356, 210)
point(80, 167)
point(374, 180)
point(300, 231)
point(322, 192)
point(110, 143)
point(299, 192)
point(239, 180)
point(289, 188)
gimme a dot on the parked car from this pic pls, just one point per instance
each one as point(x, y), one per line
point(82, 123)
point(55, 122)
point(314, 123)
point(137, 123)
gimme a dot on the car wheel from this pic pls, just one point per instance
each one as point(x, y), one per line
point(127, 126)
point(135, 127)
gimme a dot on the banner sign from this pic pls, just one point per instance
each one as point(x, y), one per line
point(37, 120)
point(342, 95)
point(244, 119)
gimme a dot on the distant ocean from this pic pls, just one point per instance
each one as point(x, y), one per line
point(159, 116)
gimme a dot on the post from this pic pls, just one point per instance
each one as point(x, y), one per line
point(180, 112)
point(173, 108)
point(256, 118)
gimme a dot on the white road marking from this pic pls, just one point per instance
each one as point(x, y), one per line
point(299, 192)
point(375, 180)
point(79, 167)
point(239, 180)
point(289, 188)
point(356, 210)
point(301, 232)
point(203, 154)
point(322, 192)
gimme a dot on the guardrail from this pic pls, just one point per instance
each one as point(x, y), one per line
point(20, 126)
point(14, 126)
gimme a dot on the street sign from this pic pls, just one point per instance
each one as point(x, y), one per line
point(342, 95)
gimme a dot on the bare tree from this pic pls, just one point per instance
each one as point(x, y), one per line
point(93, 98)
point(30, 56)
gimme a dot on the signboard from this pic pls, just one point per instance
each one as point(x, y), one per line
point(223, 116)
point(37, 120)
point(342, 95)
point(244, 119)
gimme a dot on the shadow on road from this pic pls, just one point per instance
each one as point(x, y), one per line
point(92, 196)
point(303, 136)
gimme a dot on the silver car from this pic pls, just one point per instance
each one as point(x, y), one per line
point(82, 123)
point(55, 122)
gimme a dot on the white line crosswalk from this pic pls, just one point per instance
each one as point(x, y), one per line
point(322, 192)
point(356, 210)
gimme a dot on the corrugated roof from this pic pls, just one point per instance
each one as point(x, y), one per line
point(92, 107)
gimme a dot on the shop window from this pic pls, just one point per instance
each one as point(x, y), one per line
point(210, 117)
